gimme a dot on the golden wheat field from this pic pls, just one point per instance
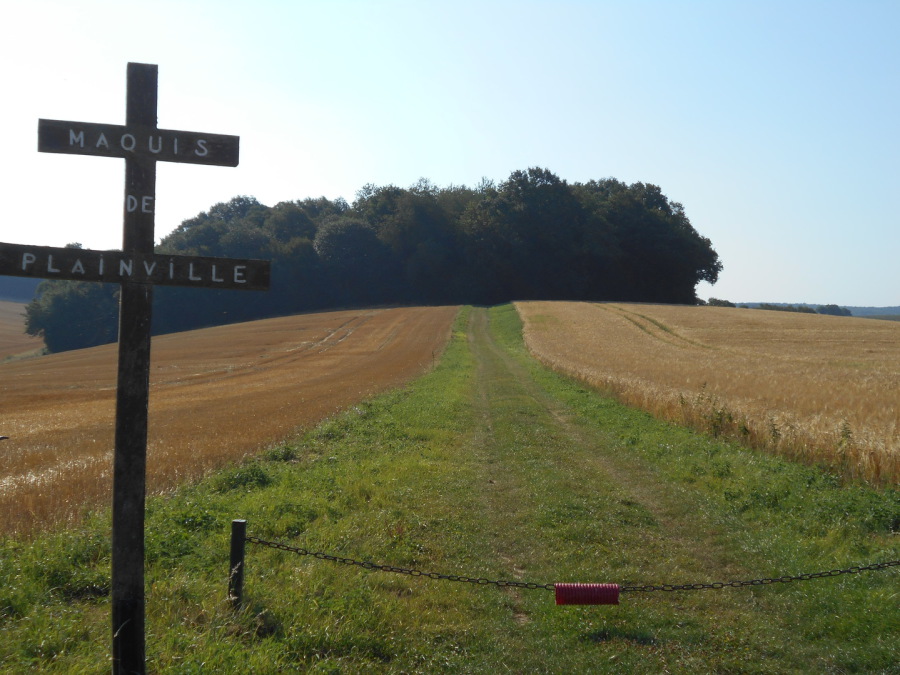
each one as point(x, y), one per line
point(216, 395)
point(820, 389)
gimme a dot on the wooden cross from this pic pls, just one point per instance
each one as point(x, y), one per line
point(138, 269)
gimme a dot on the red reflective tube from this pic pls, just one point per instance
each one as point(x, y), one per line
point(587, 594)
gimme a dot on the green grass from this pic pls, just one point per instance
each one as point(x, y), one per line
point(489, 467)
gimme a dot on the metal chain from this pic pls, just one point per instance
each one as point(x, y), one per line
point(549, 587)
point(400, 570)
point(763, 582)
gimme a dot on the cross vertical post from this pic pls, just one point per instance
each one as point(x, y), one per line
point(133, 390)
point(137, 268)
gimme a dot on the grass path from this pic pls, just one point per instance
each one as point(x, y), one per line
point(603, 513)
point(489, 467)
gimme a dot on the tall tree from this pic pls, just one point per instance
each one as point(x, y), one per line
point(358, 265)
point(661, 258)
point(73, 314)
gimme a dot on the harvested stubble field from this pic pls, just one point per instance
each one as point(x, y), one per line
point(216, 395)
point(821, 389)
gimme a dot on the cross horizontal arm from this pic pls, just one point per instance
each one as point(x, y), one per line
point(133, 140)
point(118, 267)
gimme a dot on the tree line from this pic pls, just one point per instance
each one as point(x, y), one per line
point(533, 236)
point(830, 310)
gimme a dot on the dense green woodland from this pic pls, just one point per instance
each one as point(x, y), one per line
point(533, 236)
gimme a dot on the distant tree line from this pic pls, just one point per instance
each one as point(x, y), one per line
point(533, 236)
point(718, 302)
point(802, 309)
point(832, 310)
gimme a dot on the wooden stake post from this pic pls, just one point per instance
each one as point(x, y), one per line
point(137, 268)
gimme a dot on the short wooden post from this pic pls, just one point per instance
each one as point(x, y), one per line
point(236, 574)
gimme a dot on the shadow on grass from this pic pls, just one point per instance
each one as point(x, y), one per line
point(609, 634)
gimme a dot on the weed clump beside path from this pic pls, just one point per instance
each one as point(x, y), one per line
point(494, 467)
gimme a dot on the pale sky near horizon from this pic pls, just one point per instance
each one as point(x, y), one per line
point(775, 123)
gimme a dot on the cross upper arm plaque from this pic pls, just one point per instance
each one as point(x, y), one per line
point(141, 144)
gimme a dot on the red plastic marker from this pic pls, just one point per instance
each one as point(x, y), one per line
point(587, 594)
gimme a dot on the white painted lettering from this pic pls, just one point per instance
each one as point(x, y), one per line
point(27, 259)
point(239, 271)
point(191, 276)
point(149, 268)
point(125, 267)
point(158, 148)
point(101, 141)
point(127, 142)
point(50, 267)
point(201, 150)
point(214, 277)
point(76, 138)
point(131, 204)
point(78, 268)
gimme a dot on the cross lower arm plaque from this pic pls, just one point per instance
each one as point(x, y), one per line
point(78, 264)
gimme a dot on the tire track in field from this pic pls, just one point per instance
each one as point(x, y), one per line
point(555, 453)
point(653, 327)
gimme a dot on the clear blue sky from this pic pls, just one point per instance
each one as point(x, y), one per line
point(776, 124)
